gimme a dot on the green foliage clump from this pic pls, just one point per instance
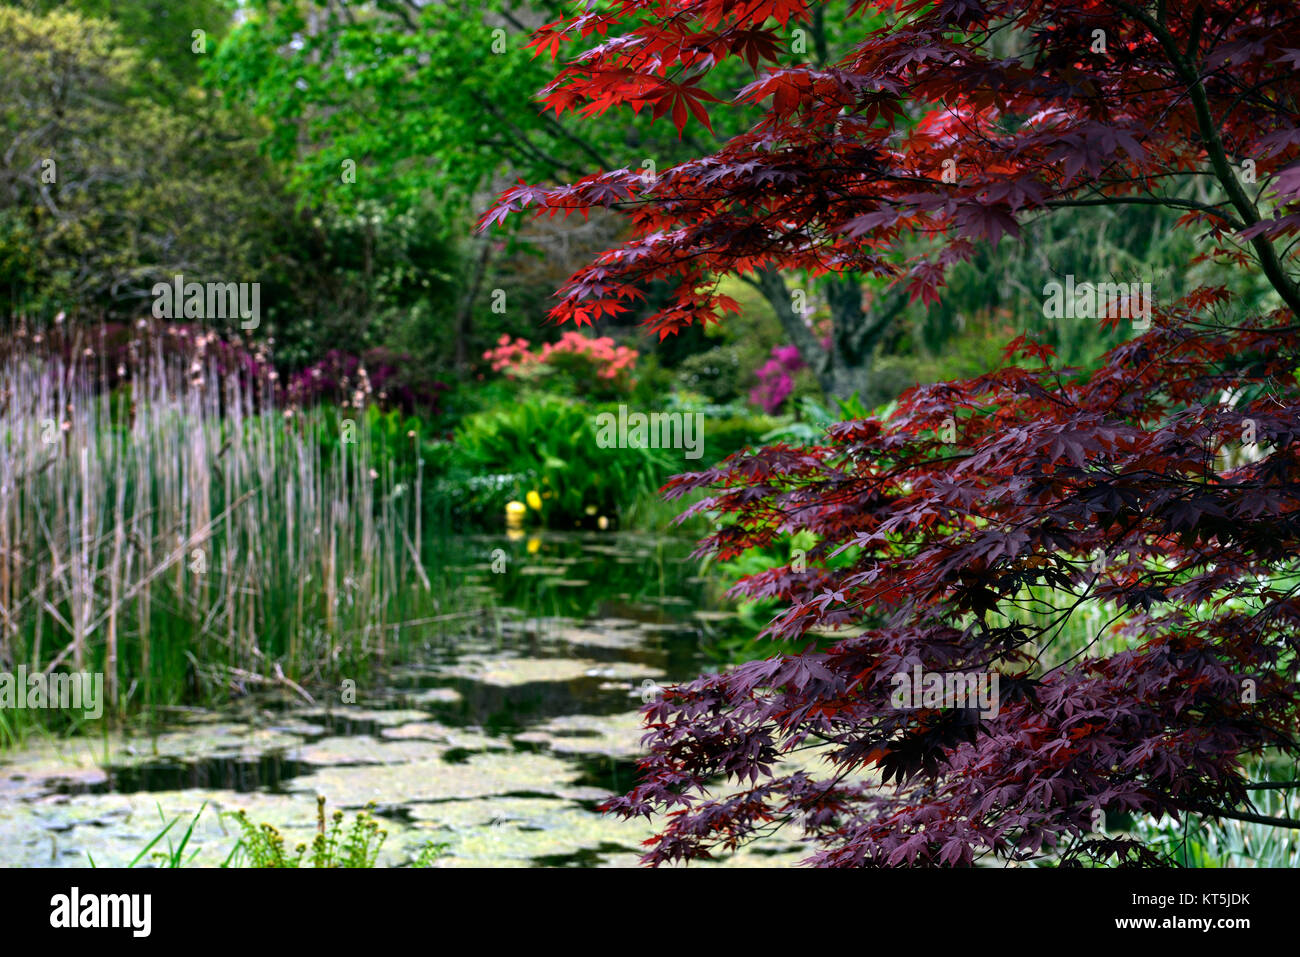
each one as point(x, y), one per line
point(399, 446)
point(549, 445)
point(119, 174)
point(261, 845)
point(1200, 842)
point(813, 418)
point(174, 856)
point(727, 435)
point(717, 374)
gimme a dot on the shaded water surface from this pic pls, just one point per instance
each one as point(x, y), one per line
point(500, 740)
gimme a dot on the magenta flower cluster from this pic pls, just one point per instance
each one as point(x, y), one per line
point(381, 375)
point(775, 378)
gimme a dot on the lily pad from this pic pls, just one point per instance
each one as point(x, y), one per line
point(510, 672)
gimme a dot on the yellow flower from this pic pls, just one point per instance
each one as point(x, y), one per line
point(534, 501)
point(534, 544)
point(515, 512)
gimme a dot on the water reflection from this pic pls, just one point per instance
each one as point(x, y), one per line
point(500, 739)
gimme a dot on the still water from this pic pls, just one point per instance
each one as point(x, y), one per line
point(499, 739)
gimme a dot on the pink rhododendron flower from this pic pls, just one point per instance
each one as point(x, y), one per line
point(775, 382)
point(608, 360)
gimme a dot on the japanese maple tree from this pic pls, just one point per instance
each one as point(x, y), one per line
point(965, 531)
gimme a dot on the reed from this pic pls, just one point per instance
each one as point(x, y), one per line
point(165, 520)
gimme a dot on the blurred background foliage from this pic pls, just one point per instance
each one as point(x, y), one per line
point(339, 155)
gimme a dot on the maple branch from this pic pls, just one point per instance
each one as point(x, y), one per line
point(1186, 69)
point(521, 136)
point(577, 140)
point(1210, 811)
point(1212, 210)
point(397, 10)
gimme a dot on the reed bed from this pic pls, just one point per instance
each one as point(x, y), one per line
point(165, 520)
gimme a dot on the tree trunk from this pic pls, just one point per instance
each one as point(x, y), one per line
point(845, 368)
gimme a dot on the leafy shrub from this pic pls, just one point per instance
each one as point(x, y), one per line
point(390, 379)
point(717, 374)
point(464, 500)
point(576, 365)
point(726, 435)
point(548, 445)
point(261, 845)
point(1197, 842)
point(814, 419)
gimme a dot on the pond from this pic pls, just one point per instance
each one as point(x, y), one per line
point(499, 740)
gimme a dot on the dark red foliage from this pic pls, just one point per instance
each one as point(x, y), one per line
point(389, 378)
point(1162, 489)
point(849, 158)
point(1049, 471)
